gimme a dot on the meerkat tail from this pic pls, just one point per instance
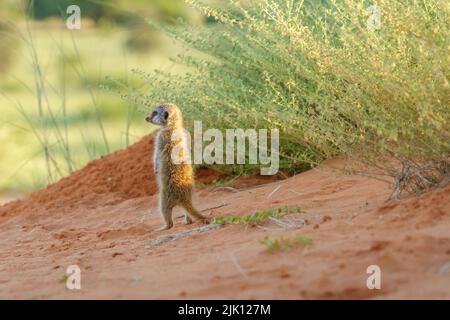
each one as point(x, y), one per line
point(193, 213)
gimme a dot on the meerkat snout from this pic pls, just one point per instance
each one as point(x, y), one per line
point(175, 180)
point(148, 118)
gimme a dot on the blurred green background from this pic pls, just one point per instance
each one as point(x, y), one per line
point(55, 114)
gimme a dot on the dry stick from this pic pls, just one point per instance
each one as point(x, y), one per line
point(146, 214)
point(282, 225)
point(176, 236)
point(231, 189)
point(278, 222)
point(292, 222)
point(216, 207)
point(237, 265)
point(273, 192)
point(293, 191)
point(268, 229)
point(285, 225)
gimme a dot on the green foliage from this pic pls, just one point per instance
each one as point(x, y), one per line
point(315, 71)
point(257, 217)
point(281, 243)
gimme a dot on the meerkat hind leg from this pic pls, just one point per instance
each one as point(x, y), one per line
point(166, 212)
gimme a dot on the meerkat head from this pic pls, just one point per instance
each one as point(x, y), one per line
point(166, 114)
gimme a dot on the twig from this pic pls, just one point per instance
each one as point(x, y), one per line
point(231, 189)
point(273, 192)
point(289, 225)
point(293, 191)
point(176, 236)
point(216, 207)
point(236, 264)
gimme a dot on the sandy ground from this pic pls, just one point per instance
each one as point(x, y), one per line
point(102, 219)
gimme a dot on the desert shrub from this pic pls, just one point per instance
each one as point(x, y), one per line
point(317, 71)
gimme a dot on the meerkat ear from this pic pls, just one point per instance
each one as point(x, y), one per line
point(166, 115)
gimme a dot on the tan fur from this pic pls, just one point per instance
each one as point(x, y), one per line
point(175, 181)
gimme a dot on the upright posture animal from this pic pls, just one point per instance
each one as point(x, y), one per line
point(175, 178)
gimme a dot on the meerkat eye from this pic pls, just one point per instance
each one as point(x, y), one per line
point(166, 115)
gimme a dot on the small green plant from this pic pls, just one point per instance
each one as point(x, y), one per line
point(63, 278)
point(257, 217)
point(282, 243)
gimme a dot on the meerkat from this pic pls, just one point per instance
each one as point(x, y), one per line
point(175, 180)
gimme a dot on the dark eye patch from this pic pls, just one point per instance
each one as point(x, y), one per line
point(166, 115)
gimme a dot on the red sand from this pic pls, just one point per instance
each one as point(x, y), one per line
point(102, 216)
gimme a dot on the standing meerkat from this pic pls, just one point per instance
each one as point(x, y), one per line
point(175, 180)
